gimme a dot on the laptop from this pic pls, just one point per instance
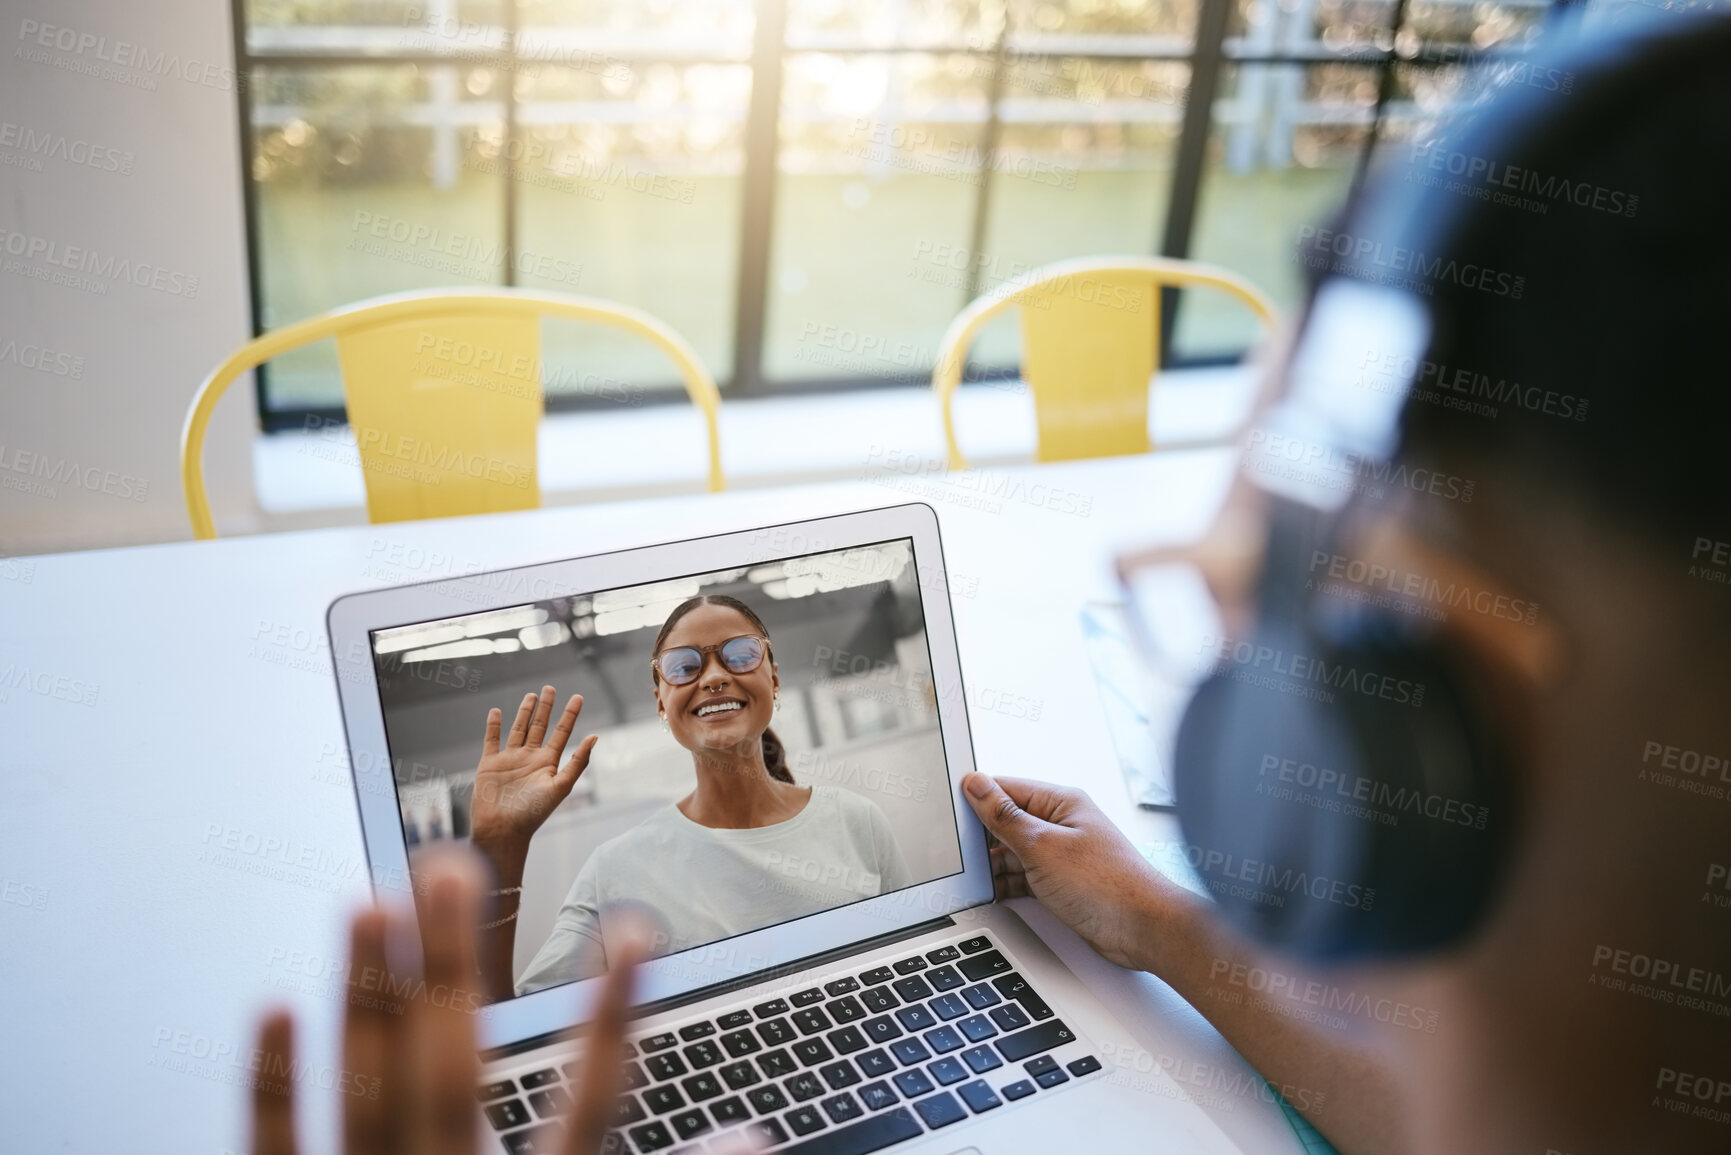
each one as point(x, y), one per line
point(837, 982)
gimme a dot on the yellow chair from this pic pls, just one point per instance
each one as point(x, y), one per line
point(1090, 347)
point(443, 390)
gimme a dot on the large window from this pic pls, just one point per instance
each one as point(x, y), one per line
point(808, 190)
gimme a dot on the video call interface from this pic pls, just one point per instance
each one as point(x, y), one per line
point(852, 708)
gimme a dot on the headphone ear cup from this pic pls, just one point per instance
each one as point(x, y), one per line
point(1357, 809)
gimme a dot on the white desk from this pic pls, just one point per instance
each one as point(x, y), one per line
point(160, 702)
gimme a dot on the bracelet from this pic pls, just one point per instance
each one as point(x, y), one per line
point(508, 890)
point(498, 921)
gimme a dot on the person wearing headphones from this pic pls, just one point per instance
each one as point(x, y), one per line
point(1457, 746)
point(1458, 734)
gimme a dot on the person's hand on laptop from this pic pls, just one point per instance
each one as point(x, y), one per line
point(520, 782)
point(409, 1063)
point(1057, 846)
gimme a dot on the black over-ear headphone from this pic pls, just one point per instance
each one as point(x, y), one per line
point(1342, 790)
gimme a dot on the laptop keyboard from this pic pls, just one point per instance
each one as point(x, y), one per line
point(849, 1066)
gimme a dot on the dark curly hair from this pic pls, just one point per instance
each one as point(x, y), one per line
point(774, 755)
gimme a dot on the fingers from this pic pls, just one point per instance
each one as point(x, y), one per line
point(490, 744)
point(567, 722)
point(1045, 800)
point(441, 1053)
point(520, 727)
point(543, 712)
point(1012, 825)
point(576, 764)
point(598, 1083)
point(1009, 877)
point(273, 1104)
point(372, 1043)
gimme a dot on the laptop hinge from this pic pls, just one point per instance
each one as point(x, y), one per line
point(721, 988)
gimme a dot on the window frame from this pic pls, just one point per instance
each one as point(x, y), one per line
point(1209, 52)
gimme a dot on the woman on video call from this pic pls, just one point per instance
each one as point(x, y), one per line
point(720, 861)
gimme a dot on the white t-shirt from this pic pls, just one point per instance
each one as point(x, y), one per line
point(698, 884)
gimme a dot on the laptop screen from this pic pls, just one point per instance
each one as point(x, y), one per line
point(783, 756)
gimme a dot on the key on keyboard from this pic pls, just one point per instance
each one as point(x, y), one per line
point(510, 1113)
point(945, 978)
point(803, 1086)
point(881, 1029)
point(777, 1063)
point(804, 1120)
point(867, 1135)
point(663, 1099)
point(983, 965)
point(912, 1083)
point(978, 1096)
point(809, 1051)
point(811, 1021)
point(704, 1054)
point(840, 1108)
point(1032, 1041)
point(537, 1140)
point(940, 1110)
point(839, 1074)
point(980, 996)
point(704, 1086)
point(552, 1103)
point(847, 1040)
point(775, 1032)
point(874, 1063)
point(947, 1071)
point(665, 1066)
point(651, 1136)
point(879, 999)
point(738, 1075)
point(690, 1123)
point(741, 1043)
point(977, 1028)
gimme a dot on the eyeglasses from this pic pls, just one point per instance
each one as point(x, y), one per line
point(680, 665)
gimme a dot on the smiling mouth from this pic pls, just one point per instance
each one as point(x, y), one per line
point(713, 708)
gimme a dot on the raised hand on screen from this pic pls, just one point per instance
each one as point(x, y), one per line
point(518, 784)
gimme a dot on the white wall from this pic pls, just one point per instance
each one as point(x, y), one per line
point(143, 93)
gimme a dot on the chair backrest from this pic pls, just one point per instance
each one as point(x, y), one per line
point(1090, 347)
point(443, 390)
